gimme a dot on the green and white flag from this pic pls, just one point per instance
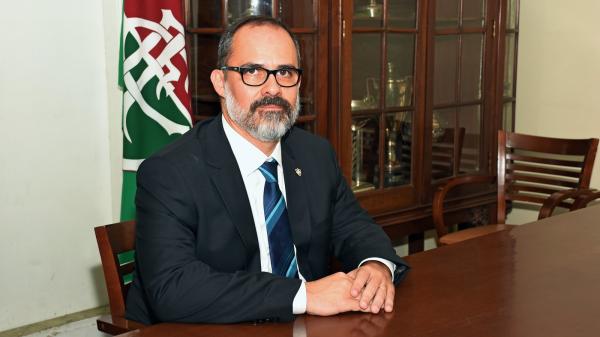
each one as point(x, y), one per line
point(153, 74)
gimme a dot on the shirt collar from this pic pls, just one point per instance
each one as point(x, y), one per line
point(248, 156)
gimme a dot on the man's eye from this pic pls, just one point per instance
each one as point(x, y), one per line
point(251, 71)
point(284, 72)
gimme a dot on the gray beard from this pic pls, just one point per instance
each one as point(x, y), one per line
point(268, 126)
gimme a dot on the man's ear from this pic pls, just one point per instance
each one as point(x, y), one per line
point(218, 81)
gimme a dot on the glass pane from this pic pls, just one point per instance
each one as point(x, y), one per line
point(445, 71)
point(241, 8)
point(442, 145)
point(203, 52)
point(511, 22)
point(366, 66)
point(507, 117)
point(368, 13)
point(365, 154)
point(509, 65)
point(471, 70)
point(307, 87)
point(205, 14)
point(446, 13)
point(398, 149)
point(469, 122)
point(402, 14)
point(400, 68)
point(296, 14)
point(473, 13)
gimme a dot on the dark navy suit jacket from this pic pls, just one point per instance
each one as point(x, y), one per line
point(197, 255)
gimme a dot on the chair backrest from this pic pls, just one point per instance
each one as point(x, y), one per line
point(446, 153)
point(116, 243)
point(531, 168)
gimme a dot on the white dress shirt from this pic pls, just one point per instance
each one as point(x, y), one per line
point(249, 159)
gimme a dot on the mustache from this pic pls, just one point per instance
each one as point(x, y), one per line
point(271, 100)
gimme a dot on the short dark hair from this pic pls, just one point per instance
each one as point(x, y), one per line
point(224, 50)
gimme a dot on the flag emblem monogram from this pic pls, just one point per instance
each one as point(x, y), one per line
point(155, 79)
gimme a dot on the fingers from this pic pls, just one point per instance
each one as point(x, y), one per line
point(379, 299)
point(389, 299)
point(370, 293)
point(331, 295)
point(377, 290)
point(361, 278)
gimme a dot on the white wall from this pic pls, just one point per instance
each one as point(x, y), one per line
point(59, 159)
point(558, 85)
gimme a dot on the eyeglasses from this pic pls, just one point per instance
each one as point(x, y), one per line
point(257, 76)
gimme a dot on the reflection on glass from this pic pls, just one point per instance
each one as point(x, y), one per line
point(204, 99)
point(368, 13)
point(402, 14)
point(507, 117)
point(509, 65)
point(473, 13)
point(242, 8)
point(471, 67)
point(443, 145)
point(400, 65)
point(205, 14)
point(296, 14)
point(398, 147)
point(366, 65)
point(511, 22)
point(446, 13)
point(469, 120)
point(365, 154)
point(445, 69)
point(307, 86)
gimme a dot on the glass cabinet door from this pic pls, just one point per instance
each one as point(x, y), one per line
point(459, 72)
point(382, 104)
point(510, 65)
point(206, 21)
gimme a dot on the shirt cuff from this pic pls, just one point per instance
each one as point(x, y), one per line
point(299, 304)
point(391, 266)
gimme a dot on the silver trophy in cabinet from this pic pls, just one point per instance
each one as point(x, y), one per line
point(361, 137)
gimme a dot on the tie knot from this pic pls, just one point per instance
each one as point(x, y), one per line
point(269, 171)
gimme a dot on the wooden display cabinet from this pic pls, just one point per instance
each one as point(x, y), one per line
point(409, 92)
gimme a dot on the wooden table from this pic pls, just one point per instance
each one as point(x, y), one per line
point(539, 279)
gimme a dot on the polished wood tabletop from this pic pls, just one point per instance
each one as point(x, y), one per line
point(538, 279)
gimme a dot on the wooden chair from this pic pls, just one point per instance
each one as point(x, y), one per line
point(446, 154)
point(116, 243)
point(530, 169)
point(580, 199)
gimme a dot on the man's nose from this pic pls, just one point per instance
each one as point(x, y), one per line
point(271, 87)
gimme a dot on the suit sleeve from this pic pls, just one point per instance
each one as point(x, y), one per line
point(355, 236)
point(177, 285)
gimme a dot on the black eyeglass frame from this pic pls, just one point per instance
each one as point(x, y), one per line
point(270, 72)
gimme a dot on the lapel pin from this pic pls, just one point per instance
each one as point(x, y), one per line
point(298, 172)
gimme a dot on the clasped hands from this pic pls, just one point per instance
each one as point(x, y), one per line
point(368, 288)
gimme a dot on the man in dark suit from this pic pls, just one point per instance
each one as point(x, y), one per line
point(237, 220)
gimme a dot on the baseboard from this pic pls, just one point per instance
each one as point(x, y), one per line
point(54, 322)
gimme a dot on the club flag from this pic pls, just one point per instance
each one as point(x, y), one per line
point(153, 74)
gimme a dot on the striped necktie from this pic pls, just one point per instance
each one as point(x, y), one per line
point(281, 248)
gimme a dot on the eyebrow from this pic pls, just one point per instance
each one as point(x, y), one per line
point(256, 65)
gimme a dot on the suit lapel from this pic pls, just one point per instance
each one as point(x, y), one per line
point(297, 205)
point(226, 177)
